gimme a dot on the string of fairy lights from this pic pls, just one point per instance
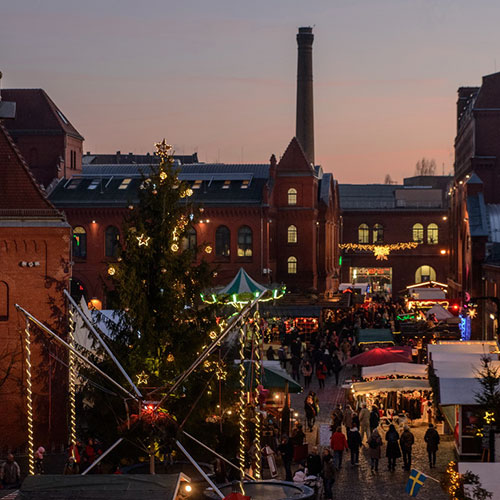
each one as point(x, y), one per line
point(258, 375)
point(242, 401)
point(454, 480)
point(381, 252)
point(72, 380)
point(29, 400)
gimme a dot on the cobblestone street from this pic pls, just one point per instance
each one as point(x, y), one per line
point(359, 482)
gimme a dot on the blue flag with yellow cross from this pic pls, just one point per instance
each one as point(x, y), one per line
point(415, 482)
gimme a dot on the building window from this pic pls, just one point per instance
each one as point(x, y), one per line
point(244, 242)
point(4, 301)
point(189, 242)
point(226, 185)
point(79, 242)
point(292, 196)
point(432, 234)
point(292, 234)
point(292, 265)
point(222, 241)
point(125, 183)
point(378, 233)
point(425, 273)
point(363, 233)
point(418, 232)
point(94, 183)
point(112, 241)
point(196, 184)
point(245, 184)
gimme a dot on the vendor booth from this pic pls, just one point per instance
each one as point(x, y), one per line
point(374, 336)
point(380, 356)
point(408, 370)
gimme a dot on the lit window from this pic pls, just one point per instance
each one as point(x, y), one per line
point(125, 183)
point(292, 196)
point(418, 233)
point(226, 185)
point(292, 234)
point(79, 242)
point(292, 265)
point(245, 184)
point(363, 234)
point(197, 185)
point(432, 234)
point(425, 273)
point(222, 242)
point(94, 184)
point(378, 233)
point(244, 242)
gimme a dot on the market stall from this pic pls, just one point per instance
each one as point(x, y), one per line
point(374, 336)
point(380, 356)
point(410, 370)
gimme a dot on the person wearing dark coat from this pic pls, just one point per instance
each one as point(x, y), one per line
point(328, 474)
point(374, 418)
point(270, 353)
point(432, 439)
point(354, 443)
point(314, 462)
point(392, 451)
point(406, 442)
point(337, 367)
point(374, 449)
point(286, 451)
point(310, 411)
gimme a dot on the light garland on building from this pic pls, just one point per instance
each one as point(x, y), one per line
point(72, 380)
point(29, 401)
point(380, 252)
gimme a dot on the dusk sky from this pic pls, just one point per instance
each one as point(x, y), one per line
point(219, 76)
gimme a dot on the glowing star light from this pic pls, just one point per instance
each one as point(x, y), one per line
point(163, 149)
point(381, 252)
point(472, 313)
point(142, 378)
point(143, 240)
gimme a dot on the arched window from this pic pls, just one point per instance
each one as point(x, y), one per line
point(418, 232)
point(425, 273)
point(222, 241)
point(432, 234)
point(292, 234)
point(244, 242)
point(378, 233)
point(4, 301)
point(292, 265)
point(292, 196)
point(112, 241)
point(363, 233)
point(189, 242)
point(79, 242)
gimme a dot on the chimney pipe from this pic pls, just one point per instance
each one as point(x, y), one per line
point(305, 112)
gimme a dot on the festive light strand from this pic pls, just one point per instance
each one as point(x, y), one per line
point(379, 251)
point(258, 377)
point(242, 412)
point(29, 401)
point(72, 381)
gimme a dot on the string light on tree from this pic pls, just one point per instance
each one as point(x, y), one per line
point(111, 271)
point(143, 240)
point(163, 149)
point(142, 378)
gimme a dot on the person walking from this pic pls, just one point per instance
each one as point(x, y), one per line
point(392, 452)
point(432, 439)
point(10, 473)
point(295, 362)
point(354, 443)
point(364, 423)
point(348, 414)
point(336, 367)
point(286, 452)
point(406, 442)
point(321, 374)
point(307, 370)
point(270, 353)
point(328, 473)
point(310, 411)
point(337, 417)
point(374, 449)
point(338, 443)
point(374, 418)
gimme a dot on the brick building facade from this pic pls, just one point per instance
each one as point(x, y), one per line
point(35, 266)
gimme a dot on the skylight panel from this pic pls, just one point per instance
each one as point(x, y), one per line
point(226, 185)
point(125, 183)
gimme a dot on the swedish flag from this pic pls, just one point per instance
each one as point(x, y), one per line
point(415, 482)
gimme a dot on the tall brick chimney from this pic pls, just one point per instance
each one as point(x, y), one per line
point(305, 112)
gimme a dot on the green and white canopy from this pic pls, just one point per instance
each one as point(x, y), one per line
point(243, 289)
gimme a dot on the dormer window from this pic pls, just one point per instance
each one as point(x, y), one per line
point(196, 184)
point(245, 184)
point(74, 183)
point(292, 196)
point(94, 184)
point(125, 183)
point(226, 185)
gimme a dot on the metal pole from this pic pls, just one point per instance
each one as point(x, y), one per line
point(112, 447)
point(106, 347)
point(200, 470)
point(204, 355)
point(74, 351)
point(216, 454)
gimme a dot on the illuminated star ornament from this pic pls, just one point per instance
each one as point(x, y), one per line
point(381, 252)
point(143, 240)
point(472, 313)
point(142, 378)
point(163, 149)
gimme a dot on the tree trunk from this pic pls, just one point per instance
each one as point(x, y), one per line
point(152, 463)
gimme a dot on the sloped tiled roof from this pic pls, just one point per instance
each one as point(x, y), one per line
point(476, 209)
point(130, 159)
point(36, 113)
point(494, 222)
point(19, 192)
point(294, 161)
point(367, 196)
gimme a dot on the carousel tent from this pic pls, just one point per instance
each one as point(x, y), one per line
point(388, 385)
point(374, 336)
point(242, 284)
point(381, 356)
point(273, 378)
point(396, 369)
point(441, 313)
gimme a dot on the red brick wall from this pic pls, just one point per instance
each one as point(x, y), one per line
point(37, 289)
